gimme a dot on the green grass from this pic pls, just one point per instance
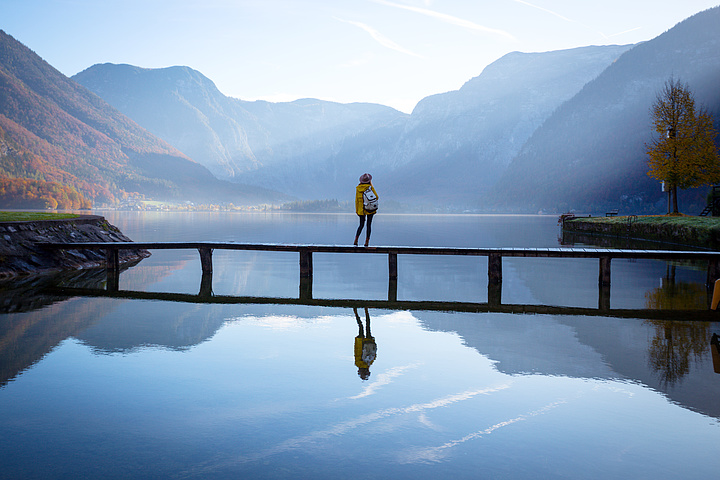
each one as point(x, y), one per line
point(677, 220)
point(34, 216)
point(678, 229)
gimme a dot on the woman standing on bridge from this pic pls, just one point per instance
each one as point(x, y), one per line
point(365, 205)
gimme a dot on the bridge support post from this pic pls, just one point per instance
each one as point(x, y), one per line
point(495, 268)
point(392, 290)
point(392, 277)
point(206, 260)
point(206, 285)
point(112, 267)
point(604, 297)
point(392, 265)
point(604, 283)
point(306, 274)
point(306, 285)
point(494, 279)
point(306, 263)
point(494, 294)
point(604, 273)
point(112, 259)
point(207, 271)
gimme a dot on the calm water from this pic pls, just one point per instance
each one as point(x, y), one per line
point(115, 388)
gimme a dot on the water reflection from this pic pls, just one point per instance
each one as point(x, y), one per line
point(365, 346)
point(34, 322)
point(673, 294)
point(675, 347)
point(610, 241)
point(232, 405)
point(25, 294)
point(146, 383)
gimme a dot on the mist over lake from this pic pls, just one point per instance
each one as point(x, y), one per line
point(286, 352)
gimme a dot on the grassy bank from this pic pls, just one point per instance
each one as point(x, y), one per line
point(677, 229)
point(34, 216)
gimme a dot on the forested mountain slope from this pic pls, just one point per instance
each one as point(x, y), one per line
point(590, 154)
point(62, 132)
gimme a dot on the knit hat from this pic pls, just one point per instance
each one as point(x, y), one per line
point(365, 178)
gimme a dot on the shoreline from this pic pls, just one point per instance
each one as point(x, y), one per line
point(700, 232)
point(21, 256)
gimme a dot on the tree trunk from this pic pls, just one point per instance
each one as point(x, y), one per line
point(674, 199)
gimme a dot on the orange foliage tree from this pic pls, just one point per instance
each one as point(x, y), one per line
point(39, 194)
point(684, 155)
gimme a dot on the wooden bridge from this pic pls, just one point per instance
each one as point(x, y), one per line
point(494, 255)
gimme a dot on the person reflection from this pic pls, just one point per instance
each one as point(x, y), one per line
point(365, 347)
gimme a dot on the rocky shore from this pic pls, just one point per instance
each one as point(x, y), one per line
point(20, 253)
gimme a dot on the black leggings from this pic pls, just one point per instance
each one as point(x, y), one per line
point(362, 224)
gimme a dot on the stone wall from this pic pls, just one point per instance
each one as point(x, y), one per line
point(668, 232)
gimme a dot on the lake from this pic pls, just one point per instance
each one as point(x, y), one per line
point(99, 387)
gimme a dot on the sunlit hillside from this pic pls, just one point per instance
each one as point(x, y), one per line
point(55, 130)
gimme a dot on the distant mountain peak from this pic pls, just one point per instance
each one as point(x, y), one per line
point(233, 138)
point(590, 154)
point(70, 135)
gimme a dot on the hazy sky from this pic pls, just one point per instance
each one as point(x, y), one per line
point(393, 52)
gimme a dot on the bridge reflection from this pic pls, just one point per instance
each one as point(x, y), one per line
point(206, 297)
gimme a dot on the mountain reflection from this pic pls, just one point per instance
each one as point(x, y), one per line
point(39, 321)
point(661, 352)
point(158, 324)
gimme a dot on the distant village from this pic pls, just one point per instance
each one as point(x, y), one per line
point(188, 206)
point(151, 206)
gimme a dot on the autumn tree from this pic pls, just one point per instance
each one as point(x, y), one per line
point(684, 155)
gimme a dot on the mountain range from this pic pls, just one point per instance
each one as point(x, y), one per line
point(315, 149)
point(554, 131)
point(591, 150)
point(283, 146)
point(52, 129)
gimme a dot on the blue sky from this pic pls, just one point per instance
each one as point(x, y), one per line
point(392, 52)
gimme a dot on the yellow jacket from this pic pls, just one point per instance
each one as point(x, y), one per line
point(359, 204)
point(365, 351)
